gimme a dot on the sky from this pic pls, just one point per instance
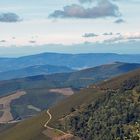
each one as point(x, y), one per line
point(69, 26)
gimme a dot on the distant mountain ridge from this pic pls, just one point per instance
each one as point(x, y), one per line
point(33, 71)
point(108, 114)
point(38, 87)
point(76, 79)
point(77, 61)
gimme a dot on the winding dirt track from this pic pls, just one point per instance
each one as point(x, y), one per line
point(64, 135)
point(50, 117)
point(46, 124)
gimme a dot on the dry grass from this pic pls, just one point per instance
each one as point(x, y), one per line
point(5, 103)
point(63, 91)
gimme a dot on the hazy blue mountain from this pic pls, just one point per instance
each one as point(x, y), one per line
point(33, 70)
point(78, 61)
point(77, 79)
point(37, 87)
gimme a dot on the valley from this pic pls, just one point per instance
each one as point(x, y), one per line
point(92, 105)
point(63, 105)
point(70, 70)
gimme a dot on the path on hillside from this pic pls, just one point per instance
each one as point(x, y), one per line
point(50, 117)
point(66, 136)
point(48, 127)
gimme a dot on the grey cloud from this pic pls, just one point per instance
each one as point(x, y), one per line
point(90, 35)
point(118, 21)
point(122, 38)
point(118, 33)
point(90, 1)
point(108, 33)
point(2, 41)
point(104, 8)
point(85, 1)
point(13, 37)
point(133, 37)
point(32, 41)
point(115, 39)
point(9, 17)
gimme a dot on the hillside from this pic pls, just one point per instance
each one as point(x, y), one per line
point(114, 115)
point(30, 129)
point(95, 112)
point(78, 61)
point(39, 89)
point(78, 79)
point(33, 71)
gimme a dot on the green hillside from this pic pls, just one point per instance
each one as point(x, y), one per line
point(37, 87)
point(113, 116)
point(78, 79)
point(30, 129)
point(92, 113)
point(40, 99)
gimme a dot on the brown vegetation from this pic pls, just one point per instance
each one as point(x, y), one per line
point(5, 104)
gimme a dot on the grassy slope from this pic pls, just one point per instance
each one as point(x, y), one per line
point(40, 98)
point(30, 129)
point(34, 125)
point(116, 82)
point(64, 108)
point(87, 95)
point(37, 87)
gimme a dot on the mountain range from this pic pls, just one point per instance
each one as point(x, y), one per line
point(77, 79)
point(33, 71)
point(70, 96)
point(74, 61)
point(39, 88)
point(108, 110)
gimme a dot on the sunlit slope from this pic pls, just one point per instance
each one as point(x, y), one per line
point(114, 115)
point(121, 80)
point(30, 129)
point(82, 102)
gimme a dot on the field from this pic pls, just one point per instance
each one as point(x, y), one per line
point(5, 106)
point(63, 91)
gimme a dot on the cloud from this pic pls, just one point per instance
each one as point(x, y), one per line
point(90, 1)
point(123, 38)
point(86, 35)
point(114, 39)
point(2, 41)
point(32, 41)
point(133, 37)
point(118, 33)
point(108, 33)
point(104, 8)
point(13, 37)
point(118, 21)
point(9, 17)
point(86, 1)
